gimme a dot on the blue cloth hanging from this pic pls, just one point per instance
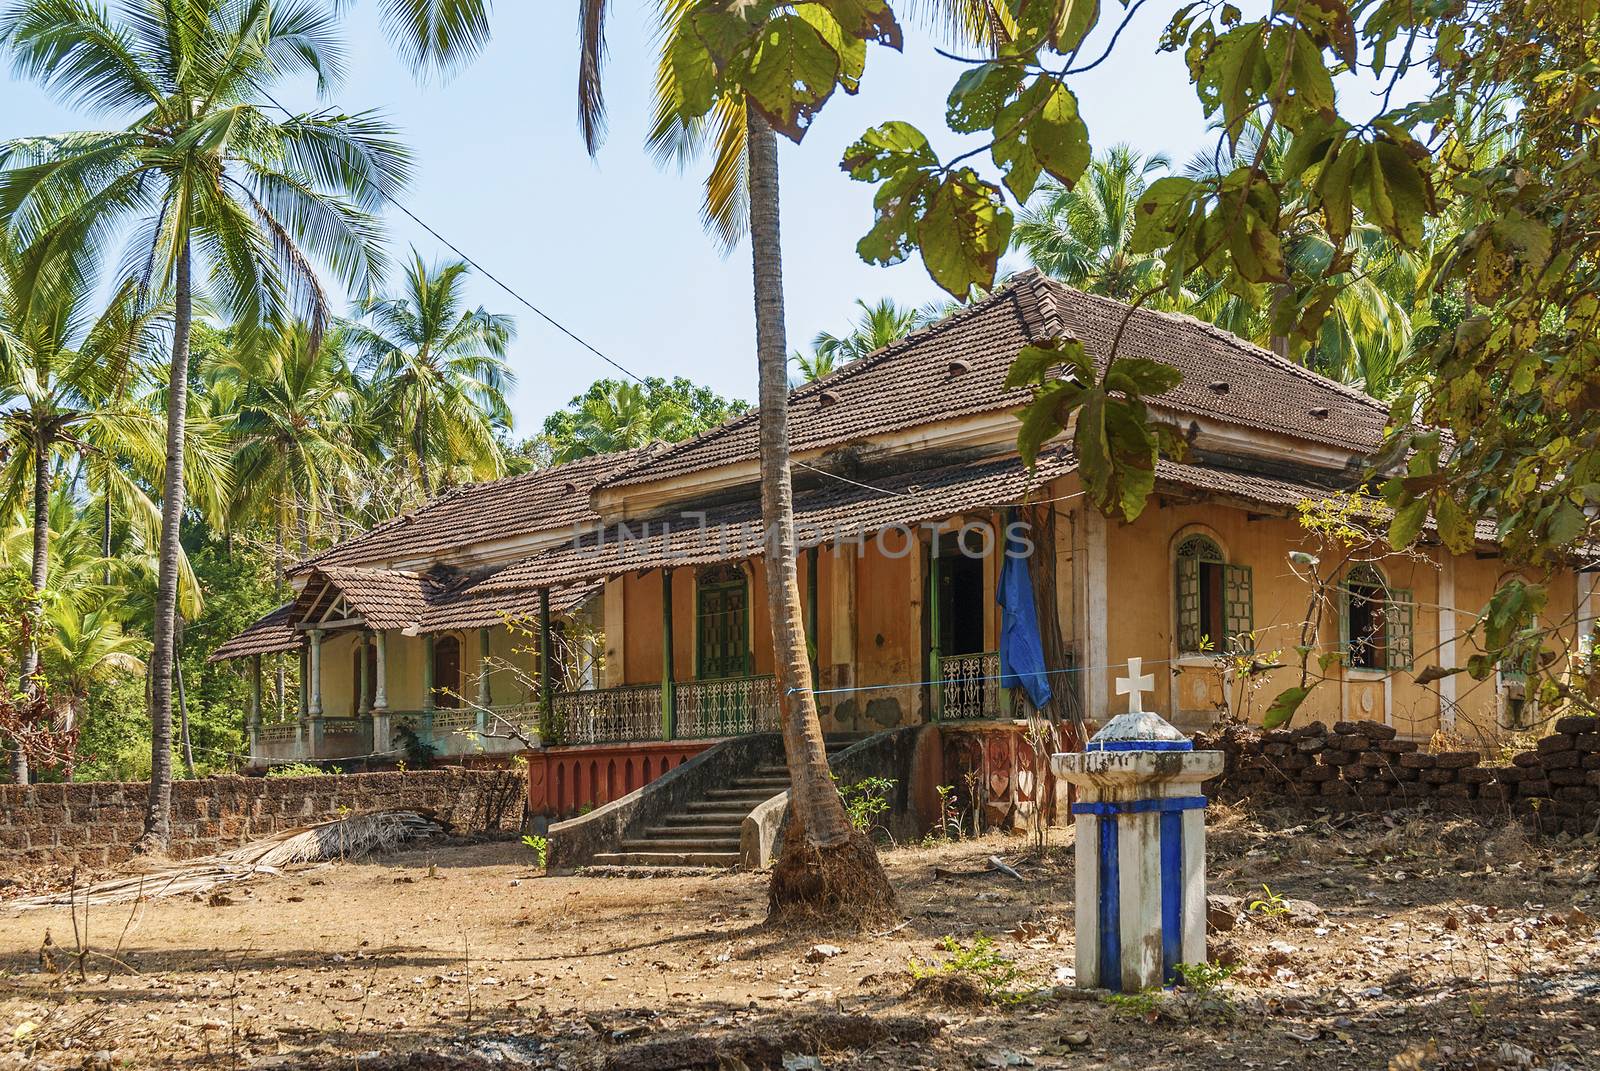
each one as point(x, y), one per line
point(1021, 649)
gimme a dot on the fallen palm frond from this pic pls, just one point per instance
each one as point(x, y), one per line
point(354, 837)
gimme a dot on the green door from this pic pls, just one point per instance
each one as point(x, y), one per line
point(722, 634)
point(722, 649)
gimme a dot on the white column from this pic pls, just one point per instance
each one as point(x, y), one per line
point(363, 683)
point(380, 687)
point(1086, 905)
point(254, 723)
point(314, 676)
point(1089, 584)
point(485, 693)
point(382, 736)
point(1447, 637)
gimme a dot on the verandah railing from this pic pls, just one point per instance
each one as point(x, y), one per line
point(730, 706)
point(967, 686)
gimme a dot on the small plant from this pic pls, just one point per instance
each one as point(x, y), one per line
point(418, 752)
point(980, 963)
point(949, 812)
point(865, 800)
point(539, 846)
point(1145, 1004)
point(1202, 978)
point(297, 769)
point(1271, 906)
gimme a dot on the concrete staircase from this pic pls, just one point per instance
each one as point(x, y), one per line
point(706, 832)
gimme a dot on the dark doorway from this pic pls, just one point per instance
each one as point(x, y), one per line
point(961, 604)
point(447, 672)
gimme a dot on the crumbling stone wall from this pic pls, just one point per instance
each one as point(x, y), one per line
point(96, 823)
point(1363, 766)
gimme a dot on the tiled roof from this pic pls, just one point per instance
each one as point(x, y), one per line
point(384, 598)
point(485, 607)
point(1274, 492)
point(958, 367)
point(829, 512)
point(543, 500)
point(268, 635)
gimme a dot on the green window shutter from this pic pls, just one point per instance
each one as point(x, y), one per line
point(1401, 613)
point(1188, 603)
point(1238, 586)
point(1344, 625)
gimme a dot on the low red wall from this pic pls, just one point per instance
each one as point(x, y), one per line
point(562, 781)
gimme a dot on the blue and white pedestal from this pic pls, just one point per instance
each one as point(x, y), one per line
point(1140, 847)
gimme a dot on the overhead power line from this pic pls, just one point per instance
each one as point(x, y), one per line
point(491, 276)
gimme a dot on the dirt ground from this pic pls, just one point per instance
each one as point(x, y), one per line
point(1416, 942)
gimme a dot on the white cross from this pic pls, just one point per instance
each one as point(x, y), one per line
point(1133, 685)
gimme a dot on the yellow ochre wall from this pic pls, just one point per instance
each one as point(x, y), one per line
point(1141, 622)
point(404, 657)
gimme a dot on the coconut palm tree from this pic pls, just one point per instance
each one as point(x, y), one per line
point(65, 394)
point(1081, 236)
point(1374, 314)
point(225, 200)
point(295, 419)
point(437, 372)
point(878, 325)
point(621, 416)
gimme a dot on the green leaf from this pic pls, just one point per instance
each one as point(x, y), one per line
point(1284, 706)
point(1117, 453)
point(979, 94)
point(1407, 523)
point(1074, 19)
point(1041, 130)
point(1045, 417)
point(790, 74)
point(1153, 213)
point(1141, 376)
point(1567, 524)
point(864, 20)
point(887, 150)
point(963, 232)
point(1033, 365)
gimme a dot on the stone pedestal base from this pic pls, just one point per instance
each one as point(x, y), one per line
point(1140, 846)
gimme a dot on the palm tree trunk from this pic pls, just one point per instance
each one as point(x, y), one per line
point(827, 867)
point(105, 526)
point(183, 720)
point(158, 809)
point(40, 577)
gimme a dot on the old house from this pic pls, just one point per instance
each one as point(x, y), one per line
point(436, 623)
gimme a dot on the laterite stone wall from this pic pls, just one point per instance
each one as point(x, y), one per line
point(1363, 766)
point(95, 824)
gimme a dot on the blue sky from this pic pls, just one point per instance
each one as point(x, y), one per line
point(613, 247)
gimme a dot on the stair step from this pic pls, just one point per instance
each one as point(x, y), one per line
point(698, 819)
point(667, 858)
point(727, 831)
point(681, 844)
point(716, 809)
point(776, 784)
point(753, 795)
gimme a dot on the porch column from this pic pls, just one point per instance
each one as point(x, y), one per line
point(303, 715)
point(254, 723)
point(363, 682)
point(668, 715)
point(382, 735)
point(425, 730)
point(485, 693)
point(813, 655)
point(935, 630)
point(314, 694)
point(1447, 637)
point(546, 687)
point(1089, 592)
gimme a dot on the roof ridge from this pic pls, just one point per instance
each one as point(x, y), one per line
point(850, 369)
point(1222, 334)
point(453, 494)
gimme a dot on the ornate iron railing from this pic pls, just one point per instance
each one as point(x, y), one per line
point(608, 715)
point(969, 686)
point(730, 706)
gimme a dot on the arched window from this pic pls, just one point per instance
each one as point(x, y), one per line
point(447, 672)
point(1214, 599)
point(1376, 621)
